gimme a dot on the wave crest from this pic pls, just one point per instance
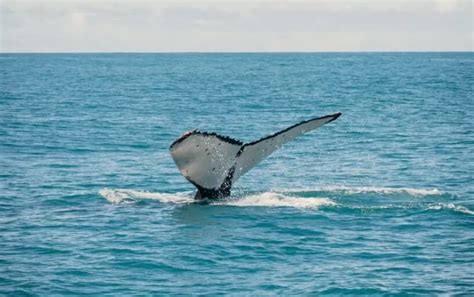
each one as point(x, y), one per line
point(451, 206)
point(378, 190)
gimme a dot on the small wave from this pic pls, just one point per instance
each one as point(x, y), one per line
point(124, 195)
point(455, 60)
point(451, 206)
point(360, 190)
point(272, 199)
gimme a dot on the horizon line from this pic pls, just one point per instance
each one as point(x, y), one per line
point(234, 52)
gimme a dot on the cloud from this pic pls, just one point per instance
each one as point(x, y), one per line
point(149, 26)
point(445, 6)
point(78, 20)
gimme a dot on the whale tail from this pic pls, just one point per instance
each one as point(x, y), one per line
point(212, 163)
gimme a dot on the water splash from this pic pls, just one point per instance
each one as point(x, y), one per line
point(125, 195)
point(360, 190)
point(268, 199)
point(272, 199)
point(290, 198)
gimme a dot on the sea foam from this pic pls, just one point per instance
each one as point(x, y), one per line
point(451, 206)
point(272, 199)
point(268, 199)
point(126, 195)
point(368, 189)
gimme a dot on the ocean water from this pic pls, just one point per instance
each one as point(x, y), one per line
point(380, 201)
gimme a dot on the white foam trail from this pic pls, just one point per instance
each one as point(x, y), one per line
point(458, 208)
point(124, 195)
point(271, 199)
point(268, 199)
point(360, 190)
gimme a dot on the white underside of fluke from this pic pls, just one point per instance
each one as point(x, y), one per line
point(207, 159)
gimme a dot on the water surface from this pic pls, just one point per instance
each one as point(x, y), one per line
point(380, 201)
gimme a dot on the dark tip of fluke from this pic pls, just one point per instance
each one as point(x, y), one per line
point(335, 116)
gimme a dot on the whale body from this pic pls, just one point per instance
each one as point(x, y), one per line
point(213, 163)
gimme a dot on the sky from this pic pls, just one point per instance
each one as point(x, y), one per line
point(235, 26)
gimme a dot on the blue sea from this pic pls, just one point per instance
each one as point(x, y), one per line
point(378, 202)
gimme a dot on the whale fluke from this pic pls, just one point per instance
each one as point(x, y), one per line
point(213, 163)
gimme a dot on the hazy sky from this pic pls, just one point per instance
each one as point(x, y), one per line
point(230, 26)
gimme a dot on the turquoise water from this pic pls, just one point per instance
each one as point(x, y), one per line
point(380, 201)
